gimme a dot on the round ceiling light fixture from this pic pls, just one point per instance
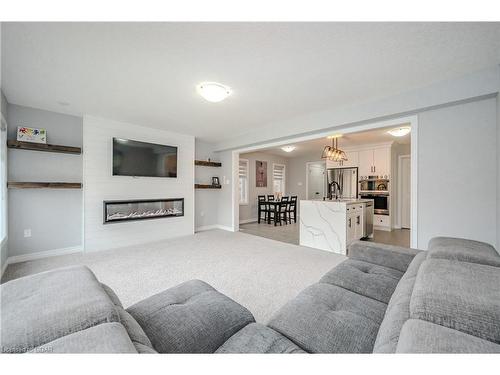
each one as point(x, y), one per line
point(213, 92)
point(288, 148)
point(400, 132)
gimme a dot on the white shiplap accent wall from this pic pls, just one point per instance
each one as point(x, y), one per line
point(100, 185)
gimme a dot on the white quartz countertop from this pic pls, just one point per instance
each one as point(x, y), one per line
point(339, 201)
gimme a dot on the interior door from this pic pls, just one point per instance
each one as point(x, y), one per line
point(405, 192)
point(316, 181)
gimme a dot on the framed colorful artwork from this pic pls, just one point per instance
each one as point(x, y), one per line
point(260, 173)
point(33, 135)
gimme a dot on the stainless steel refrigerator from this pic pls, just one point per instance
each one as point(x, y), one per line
point(347, 180)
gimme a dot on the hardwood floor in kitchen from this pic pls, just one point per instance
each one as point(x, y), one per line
point(290, 233)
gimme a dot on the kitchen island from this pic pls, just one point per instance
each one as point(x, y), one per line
point(332, 225)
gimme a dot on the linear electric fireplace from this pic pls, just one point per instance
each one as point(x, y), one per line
point(119, 211)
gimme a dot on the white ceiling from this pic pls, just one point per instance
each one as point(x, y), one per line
point(146, 73)
point(347, 140)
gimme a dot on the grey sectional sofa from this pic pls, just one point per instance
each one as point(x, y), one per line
point(383, 299)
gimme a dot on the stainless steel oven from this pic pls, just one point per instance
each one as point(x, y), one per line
point(373, 183)
point(380, 202)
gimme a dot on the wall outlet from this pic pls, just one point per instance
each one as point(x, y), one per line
point(27, 233)
point(202, 213)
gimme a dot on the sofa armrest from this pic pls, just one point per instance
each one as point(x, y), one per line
point(396, 257)
point(190, 318)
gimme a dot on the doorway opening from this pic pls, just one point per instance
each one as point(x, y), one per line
point(385, 169)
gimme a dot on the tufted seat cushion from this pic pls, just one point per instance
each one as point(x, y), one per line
point(257, 338)
point(458, 295)
point(367, 279)
point(419, 336)
point(325, 318)
point(190, 318)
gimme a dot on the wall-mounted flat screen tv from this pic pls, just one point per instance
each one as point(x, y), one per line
point(134, 158)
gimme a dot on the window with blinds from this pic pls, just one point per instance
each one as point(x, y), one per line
point(279, 178)
point(243, 181)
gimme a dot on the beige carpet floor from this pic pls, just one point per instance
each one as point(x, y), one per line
point(259, 273)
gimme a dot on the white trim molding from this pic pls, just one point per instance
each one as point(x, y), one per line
point(44, 254)
point(204, 228)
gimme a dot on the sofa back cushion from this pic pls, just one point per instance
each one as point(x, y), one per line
point(398, 310)
point(463, 250)
point(41, 308)
point(458, 295)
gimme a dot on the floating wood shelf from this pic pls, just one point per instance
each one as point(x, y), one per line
point(201, 186)
point(44, 147)
point(44, 185)
point(205, 163)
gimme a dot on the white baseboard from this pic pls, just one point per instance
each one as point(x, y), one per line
point(44, 254)
point(212, 227)
point(386, 229)
point(246, 221)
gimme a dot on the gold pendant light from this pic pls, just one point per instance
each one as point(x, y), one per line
point(332, 152)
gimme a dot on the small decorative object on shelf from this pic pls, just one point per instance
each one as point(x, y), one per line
point(215, 181)
point(33, 135)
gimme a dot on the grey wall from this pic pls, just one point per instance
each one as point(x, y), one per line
point(206, 200)
point(54, 216)
point(4, 105)
point(4, 244)
point(456, 172)
point(249, 211)
point(498, 173)
point(297, 173)
point(225, 214)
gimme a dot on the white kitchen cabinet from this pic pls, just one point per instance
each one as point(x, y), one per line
point(352, 160)
point(365, 160)
point(382, 161)
point(351, 227)
point(375, 162)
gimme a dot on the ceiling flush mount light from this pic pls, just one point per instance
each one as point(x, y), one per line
point(288, 148)
point(333, 152)
point(213, 92)
point(400, 132)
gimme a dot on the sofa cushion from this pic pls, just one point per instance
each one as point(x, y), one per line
point(257, 338)
point(190, 318)
point(103, 338)
point(458, 295)
point(43, 307)
point(398, 310)
point(134, 330)
point(418, 336)
point(367, 279)
point(390, 256)
point(463, 250)
point(112, 295)
point(326, 318)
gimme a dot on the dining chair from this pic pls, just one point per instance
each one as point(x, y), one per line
point(262, 207)
point(292, 209)
point(282, 211)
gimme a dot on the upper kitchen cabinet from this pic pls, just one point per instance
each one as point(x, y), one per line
point(365, 163)
point(375, 162)
point(382, 161)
